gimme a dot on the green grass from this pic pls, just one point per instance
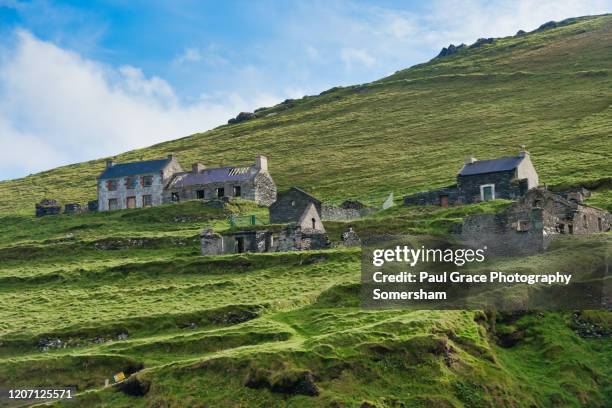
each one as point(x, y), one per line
point(200, 329)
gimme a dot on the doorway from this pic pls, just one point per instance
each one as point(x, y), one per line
point(240, 244)
point(443, 201)
point(130, 202)
point(487, 192)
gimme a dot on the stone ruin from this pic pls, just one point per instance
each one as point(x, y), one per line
point(529, 225)
point(47, 207)
point(73, 208)
point(348, 210)
point(92, 206)
point(350, 238)
point(273, 239)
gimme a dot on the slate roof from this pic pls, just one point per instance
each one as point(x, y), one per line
point(134, 168)
point(215, 175)
point(490, 166)
point(299, 190)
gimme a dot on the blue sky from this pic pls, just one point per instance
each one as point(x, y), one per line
point(86, 79)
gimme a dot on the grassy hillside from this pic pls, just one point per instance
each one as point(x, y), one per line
point(549, 90)
point(86, 296)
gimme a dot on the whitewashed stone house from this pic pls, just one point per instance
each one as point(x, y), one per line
point(135, 184)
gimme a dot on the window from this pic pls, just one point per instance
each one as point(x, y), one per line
point(570, 229)
point(585, 221)
point(237, 191)
point(111, 185)
point(200, 194)
point(600, 224)
point(175, 197)
point(147, 200)
point(314, 223)
point(220, 192)
point(147, 181)
point(487, 192)
point(131, 182)
point(112, 203)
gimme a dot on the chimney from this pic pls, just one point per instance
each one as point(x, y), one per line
point(109, 164)
point(261, 162)
point(523, 151)
point(470, 159)
point(197, 168)
point(171, 156)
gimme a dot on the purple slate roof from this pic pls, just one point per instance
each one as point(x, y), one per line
point(490, 166)
point(134, 168)
point(216, 175)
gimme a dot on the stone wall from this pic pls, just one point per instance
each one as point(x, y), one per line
point(72, 208)
point(506, 186)
point(211, 243)
point(123, 192)
point(348, 210)
point(505, 234)
point(265, 189)
point(47, 207)
point(530, 224)
point(433, 197)
point(260, 188)
point(247, 191)
point(289, 238)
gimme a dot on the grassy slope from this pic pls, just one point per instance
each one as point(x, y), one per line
point(410, 131)
point(202, 327)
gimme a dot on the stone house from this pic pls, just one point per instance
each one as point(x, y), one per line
point(252, 182)
point(135, 184)
point(484, 180)
point(530, 224)
point(291, 204)
point(304, 233)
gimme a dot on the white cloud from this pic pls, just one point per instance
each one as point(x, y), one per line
point(57, 107)
point(189, 55)
point(209, 57)
point(355, 56)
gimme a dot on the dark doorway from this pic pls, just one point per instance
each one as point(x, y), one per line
point(237, 191)
point(220, 192)
point(175, 197)
point(240, 244)
point(443, 201)
point(200, 194)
